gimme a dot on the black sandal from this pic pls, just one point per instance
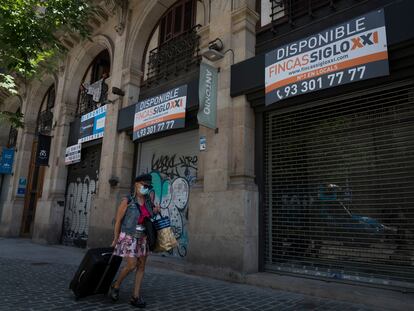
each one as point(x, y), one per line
point(114, 293)
point(138, 302)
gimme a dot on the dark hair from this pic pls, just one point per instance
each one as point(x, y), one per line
point(144, 177)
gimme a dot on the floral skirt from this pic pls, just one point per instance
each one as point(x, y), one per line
point(128, 246)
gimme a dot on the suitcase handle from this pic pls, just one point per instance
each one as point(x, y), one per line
point(103, 254)
point(81, 275)
point(106, 270)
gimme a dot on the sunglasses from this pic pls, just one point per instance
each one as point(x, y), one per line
point(147, 186)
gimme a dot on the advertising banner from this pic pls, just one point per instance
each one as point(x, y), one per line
point(349, 52)
point(6, 161)
point(160, 113)
point(43, 150)
point(21, 187)
point(92, 125)
point(73, 154)
point(207, 92)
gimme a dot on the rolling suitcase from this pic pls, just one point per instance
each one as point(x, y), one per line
point(95, 273)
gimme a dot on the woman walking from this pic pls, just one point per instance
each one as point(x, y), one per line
point(130, 240)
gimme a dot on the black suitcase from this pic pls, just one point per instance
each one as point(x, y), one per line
point(95, 273)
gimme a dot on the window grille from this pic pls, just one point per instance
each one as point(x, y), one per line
point(174, 57)
point(12, 137)
point(86, 101)
point(45, 117)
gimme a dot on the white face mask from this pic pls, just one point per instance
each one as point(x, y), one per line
point(143, 190)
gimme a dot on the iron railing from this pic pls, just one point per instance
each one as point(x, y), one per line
point(290, 10)
point(174, 57)
point(45, 121)
point(87, 104)
point(12, 137)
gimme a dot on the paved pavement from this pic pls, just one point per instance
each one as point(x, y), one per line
point(36, 277)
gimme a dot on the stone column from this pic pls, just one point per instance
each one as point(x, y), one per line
point(223, 216)
point(12, 211)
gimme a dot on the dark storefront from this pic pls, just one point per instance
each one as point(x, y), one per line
point(335, 166)
point(166, 143)
point(86, 133)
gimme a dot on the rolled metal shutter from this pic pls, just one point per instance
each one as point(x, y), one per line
point(339, 187)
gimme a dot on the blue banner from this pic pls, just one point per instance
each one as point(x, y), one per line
point(6, 161)
point(92, 125)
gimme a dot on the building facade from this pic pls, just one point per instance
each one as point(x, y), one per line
point(304, 179)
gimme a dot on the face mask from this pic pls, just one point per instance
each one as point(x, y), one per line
point(143, 190)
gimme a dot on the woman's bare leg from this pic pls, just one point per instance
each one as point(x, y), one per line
point(130, 265)
point(139, 275)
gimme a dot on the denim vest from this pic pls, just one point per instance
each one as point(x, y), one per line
point(130, 220)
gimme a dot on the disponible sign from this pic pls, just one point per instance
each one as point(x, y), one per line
point(73, 154)
point(350, 52)
point(92, 125)
point(160, 113)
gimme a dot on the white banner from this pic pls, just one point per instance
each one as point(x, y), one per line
point(73, 154)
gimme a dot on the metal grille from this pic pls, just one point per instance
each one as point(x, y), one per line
point(81, 186)
point(293, 9)
point(12, 137)
point(45, 122)
point(174, 57)
point(87, 104)
point(339, 188)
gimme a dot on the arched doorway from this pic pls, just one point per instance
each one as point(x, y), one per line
point(83, 176)
point(36, 175)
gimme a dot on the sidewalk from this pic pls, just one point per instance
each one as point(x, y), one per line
point(36, 277)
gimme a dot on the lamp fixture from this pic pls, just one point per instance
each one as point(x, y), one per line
point(113, 181)
point(117, 91)
point(213, 52)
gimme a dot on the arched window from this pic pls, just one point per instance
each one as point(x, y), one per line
point(93, 90)
point(13, 134)
point(174, 45)
point(179, 19)
point(45, 116)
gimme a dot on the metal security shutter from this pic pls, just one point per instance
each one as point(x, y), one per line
point(173, 163)
point(81, 186)
point(168, 150)
point(339, 187)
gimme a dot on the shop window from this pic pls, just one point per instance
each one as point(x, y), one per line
point(45, 116)
point(93, 89)
point(174, 46)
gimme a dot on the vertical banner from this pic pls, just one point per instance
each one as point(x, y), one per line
point(43, 150)
point(6, 161)
point(207, 92)
point(160, 113)
point(349, 52)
